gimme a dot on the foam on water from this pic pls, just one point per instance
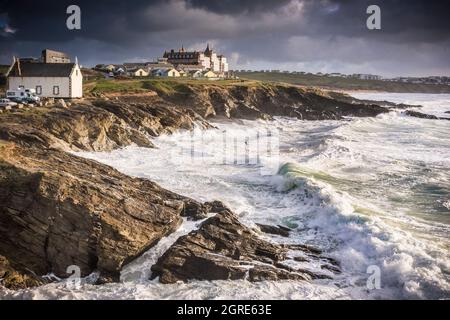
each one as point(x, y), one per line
point(369, 192)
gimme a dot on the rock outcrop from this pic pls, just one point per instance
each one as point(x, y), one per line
point(421, 115)
point(265, 101)
point(57, 210)
point(98, 125)
point(278, 230)
point(224, 249)
point(13, 279)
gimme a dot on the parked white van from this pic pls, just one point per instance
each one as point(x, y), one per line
point(22, 95)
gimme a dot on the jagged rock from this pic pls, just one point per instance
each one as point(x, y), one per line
point(278, 230)
point(224, 249)
point(416, 114)
point(384, 103)
point(57, 210)
point(97, 126)
point(13, 279)
point(61, 103)
point(215, 206)
point(194, 210)
point(268, 100)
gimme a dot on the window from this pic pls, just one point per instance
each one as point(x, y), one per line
point(55, 90)
point(21, 87)
point(76, 72)
point(39, 90)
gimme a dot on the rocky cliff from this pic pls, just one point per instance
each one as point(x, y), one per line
point(264, 101)
point(57, 209)
point(97, 125)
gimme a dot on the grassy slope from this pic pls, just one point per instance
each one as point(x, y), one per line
point(344, 84)
point(166, 86)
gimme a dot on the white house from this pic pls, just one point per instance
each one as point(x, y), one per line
point(169, 72)
point(366, 76)
point(157, 72)
point(55, 80)
point(139, 73)
point(209, 74)
point(196, 74)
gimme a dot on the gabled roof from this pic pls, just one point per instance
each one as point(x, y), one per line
point(208, 51)
point(39, 69)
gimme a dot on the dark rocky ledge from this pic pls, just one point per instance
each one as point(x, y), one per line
point(420, 115)
point(263, 101)
point(224, 249)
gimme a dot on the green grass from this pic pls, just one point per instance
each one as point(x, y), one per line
point(342, 83)
point(109, 86)
point(161, 86)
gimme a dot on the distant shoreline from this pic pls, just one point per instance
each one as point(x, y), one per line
point(345, 84)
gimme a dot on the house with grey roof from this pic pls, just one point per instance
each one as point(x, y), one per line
point(55, 80)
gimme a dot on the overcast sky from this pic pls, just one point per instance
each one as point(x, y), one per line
point(303, 35)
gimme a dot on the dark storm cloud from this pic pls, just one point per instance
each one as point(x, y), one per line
point(313, 35)
point(237, 7)
point(415, 20)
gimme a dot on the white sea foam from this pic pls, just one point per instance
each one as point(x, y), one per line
point(369, 192)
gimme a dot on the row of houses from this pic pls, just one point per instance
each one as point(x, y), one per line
point(423, 80)
point(320, 74)
point(174, 63)
point(155, 71)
